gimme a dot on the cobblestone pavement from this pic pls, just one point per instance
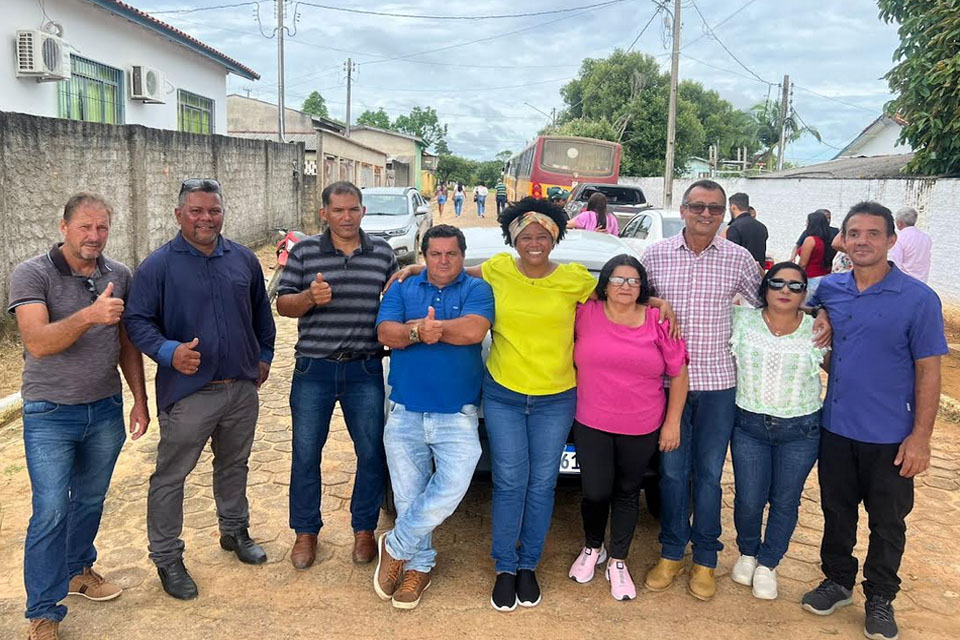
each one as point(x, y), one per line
point(335, 598)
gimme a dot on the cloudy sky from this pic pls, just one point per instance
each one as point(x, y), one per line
point(479, 73)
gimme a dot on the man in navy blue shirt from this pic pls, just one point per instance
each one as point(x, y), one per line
point(878, 416)
point(434, 324)
point(199, 308)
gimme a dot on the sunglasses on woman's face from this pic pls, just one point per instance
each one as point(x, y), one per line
point(795, 286)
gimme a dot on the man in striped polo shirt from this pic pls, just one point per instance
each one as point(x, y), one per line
point(332, 283)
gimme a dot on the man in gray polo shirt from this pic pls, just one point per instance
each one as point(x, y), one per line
point(68, 304)
point(332, 283)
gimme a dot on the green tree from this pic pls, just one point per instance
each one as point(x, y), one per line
point(487, 172)
point(424, 124)
point(504, 155)
point(378, 118)
point(451, 168)
point(723, 124)
point(315, 105)
point(441, 148)
point(926, 81)
point(766, 117)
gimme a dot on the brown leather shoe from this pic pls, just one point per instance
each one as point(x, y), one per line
point(43, 629)
point(389, 571)
point(364, 547)
point(304, 551)
point(407, 596)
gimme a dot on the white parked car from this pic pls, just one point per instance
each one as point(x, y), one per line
point(399, 215)
point(650, 226)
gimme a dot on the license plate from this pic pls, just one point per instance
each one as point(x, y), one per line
point(568, 463)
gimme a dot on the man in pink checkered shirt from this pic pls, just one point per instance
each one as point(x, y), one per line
point(699, 273)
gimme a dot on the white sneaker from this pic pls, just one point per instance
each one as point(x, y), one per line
point(765, 583)
point(743, 571)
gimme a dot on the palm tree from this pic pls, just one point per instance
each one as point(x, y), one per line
point(767, 118)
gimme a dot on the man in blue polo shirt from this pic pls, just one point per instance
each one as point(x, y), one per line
point(878, 416)
point(434, 324)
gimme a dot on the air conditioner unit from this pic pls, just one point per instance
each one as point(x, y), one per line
point(147, 84)
point(42, 55)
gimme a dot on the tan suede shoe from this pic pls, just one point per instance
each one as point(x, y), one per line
point(702, 584)
point(663, 574)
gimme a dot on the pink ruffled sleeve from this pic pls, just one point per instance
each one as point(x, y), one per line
point(674, 351)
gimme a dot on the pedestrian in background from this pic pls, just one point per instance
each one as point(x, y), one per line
point(441, 199)
point(745, 230)
point(912, 251)
point(68, 303)
point(199, 308)
point(595, 217)
point(501, 189)
point(816, 252)
point(458, 196)
point(480, 193)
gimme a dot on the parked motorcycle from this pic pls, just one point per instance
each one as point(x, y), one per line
point(288, 239)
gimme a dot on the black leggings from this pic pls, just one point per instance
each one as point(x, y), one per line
point(611, 475)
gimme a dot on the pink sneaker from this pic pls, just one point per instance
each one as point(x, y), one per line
point(621, 584)
point(583, 567)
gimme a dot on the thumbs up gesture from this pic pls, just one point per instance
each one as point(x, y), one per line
point(320, 292)
point(105, 309)
point(430, 328)
point(185, 359)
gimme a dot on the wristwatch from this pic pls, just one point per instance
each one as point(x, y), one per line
point(415, 334)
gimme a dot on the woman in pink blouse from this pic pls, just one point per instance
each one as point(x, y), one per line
point(595, 217)
point(623, 416)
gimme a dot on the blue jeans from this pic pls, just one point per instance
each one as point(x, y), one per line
point(481, 203)
point(527, 436)
point(416, 443)
point(458, 204)
point(71, 451)
point(317, 385)
point(705, 431)
point(772, 458)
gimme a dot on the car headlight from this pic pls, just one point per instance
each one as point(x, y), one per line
point(398, 232)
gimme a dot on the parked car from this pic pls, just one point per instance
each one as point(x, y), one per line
point(399, 215)
point(623, 200)
point(588, 248)
point(650, 226)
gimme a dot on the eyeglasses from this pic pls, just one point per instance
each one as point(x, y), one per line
point(698, 208)
point(199, 184)
point(796, 287)
point(617, 281)
point(91, 286)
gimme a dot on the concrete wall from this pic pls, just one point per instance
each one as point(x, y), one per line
point(43, 161)
point(106, 38)
point(783, 205)
point(342, 158)
point(248, 115)
point(390, 143)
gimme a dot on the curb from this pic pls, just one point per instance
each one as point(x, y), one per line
point(10, 408)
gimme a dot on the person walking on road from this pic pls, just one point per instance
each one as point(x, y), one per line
point(882, 398)
point(480, 197)
point(199, 308)
point(432, 322)
point(68, 303)
point(441, 199)
point(911, 253)
point(458, 196)
point(332, 284)
point(501, 190)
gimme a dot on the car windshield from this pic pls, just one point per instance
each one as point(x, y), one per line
point(379, 204)
point(672, 226)
point(616, 195)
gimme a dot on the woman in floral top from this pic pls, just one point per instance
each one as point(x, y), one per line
point(777, 433)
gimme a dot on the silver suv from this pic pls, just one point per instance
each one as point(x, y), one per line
point(399, 215)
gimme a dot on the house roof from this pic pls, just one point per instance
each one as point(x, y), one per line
point(143, 19)
point(364, 127)
point(862, 167)
point(871, 130)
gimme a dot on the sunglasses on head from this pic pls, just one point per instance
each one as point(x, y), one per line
point(199, 184)
point(698, 208)
point(794, 285)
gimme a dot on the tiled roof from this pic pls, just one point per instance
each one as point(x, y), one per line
point(146, 20)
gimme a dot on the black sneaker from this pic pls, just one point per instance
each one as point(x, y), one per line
point(528, 591)
point(504, 597)
point(880, 623)
point(827, 598)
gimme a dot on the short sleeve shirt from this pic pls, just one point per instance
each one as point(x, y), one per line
point(532, 350)
point(878, 335)
point(441, 377)
point(86, 371)
point(620, 370)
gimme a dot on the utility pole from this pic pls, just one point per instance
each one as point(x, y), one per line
point(349, 89)
point(672, 112)
point(280, 88)
point(784, 110)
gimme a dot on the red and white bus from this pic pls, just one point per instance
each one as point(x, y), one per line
point(560, 161)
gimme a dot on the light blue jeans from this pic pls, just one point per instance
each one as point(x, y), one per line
point(431, 458)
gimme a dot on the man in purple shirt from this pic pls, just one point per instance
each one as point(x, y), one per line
point(912, 251)
point(878, 415)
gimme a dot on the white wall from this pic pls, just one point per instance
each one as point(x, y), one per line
point(882, 144)
point(783, 204)
point(114, 41)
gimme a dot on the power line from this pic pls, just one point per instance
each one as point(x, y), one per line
point(731, 72)
point(466, 89)
point(716, 39)
point(837, 100)
point(196, 9)
point(449, 17)
point(721, 23)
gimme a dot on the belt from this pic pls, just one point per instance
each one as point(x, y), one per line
point(349, 356)
point(227, 381)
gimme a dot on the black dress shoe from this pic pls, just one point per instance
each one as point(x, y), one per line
point(177, 582)
point(246, 549)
